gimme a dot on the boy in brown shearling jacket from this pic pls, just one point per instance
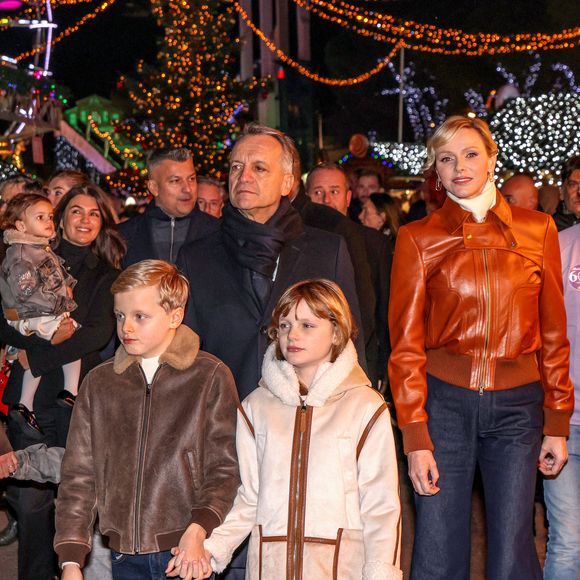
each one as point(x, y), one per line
point(151, 448)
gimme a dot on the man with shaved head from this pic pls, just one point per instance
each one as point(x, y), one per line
point(520, 190)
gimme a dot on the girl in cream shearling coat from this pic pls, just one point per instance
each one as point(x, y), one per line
point(319, 491)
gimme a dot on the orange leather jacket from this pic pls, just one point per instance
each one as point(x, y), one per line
point(480, 306)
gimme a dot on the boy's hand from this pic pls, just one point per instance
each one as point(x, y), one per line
point(8, 464)
point(71, 572)
point(189, 560)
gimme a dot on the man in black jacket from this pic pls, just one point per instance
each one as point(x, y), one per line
point(173, 218)
point(568, 212)
point(327, 185)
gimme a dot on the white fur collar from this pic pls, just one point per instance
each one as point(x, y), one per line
point(13, 236)
point(280, 378)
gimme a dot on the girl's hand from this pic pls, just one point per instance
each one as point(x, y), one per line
point(553, 455)
point(423, 472)
point(189, 560)
point(71, 572)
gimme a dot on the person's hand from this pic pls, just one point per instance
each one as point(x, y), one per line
point(8, 464)
point(71, 572)
point(64, 331)
point(553, 455)
point(23, 359)
point(69, 292)
point(189, 559)
point(423, 472)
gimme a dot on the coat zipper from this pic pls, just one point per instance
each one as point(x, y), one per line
point(297, 542)
point(142, 443)
point(487, 323)
point(172, 236)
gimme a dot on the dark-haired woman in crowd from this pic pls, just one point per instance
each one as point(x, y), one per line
point(381, 212)
point(92, 249)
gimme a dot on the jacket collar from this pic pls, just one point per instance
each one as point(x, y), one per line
point(16, 237)
point(455, 216)
point(279, 377)
point(180, 354)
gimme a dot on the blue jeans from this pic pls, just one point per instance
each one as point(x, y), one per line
point(562, 495)
point(140, 566)
point(502, 432)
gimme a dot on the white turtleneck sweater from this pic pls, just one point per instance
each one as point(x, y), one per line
point(479, 205)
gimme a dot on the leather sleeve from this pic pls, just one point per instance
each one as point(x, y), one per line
point(555, 351)
point(221, 477)
point(407, 364)
point(76, 505)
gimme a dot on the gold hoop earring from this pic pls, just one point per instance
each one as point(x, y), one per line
point(490, 176)
point(438, 184)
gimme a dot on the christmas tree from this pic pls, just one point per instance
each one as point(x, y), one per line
point(191, 97)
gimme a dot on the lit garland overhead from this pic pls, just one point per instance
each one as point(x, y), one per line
point(430, 38)
point(302, 69)
point(68, 31)
point(536, 135)
point(192, 97)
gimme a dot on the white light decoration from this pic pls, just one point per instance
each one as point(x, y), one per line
point(7, 170)
point(407, 158)
point(536, 135)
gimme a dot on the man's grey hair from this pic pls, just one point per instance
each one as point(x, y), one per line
point(328, 165)
point(289, 151)
point(157, 156)
point(215, 182)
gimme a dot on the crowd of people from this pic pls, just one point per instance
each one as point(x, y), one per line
point(282, 346)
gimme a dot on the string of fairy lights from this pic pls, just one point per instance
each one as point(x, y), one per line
point(70, 30)
point(430, 38)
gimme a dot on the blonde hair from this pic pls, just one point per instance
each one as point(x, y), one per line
point(326, 300)
point(448, 130)
point(173, 285)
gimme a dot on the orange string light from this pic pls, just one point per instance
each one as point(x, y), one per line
point(306, 72)
point(430, 38)
point(68, 31)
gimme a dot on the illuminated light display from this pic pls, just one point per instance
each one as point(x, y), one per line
point(536, 135)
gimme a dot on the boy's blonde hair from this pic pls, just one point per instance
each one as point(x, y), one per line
point(327, 301)
point(173, 285)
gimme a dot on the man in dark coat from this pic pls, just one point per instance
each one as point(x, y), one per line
point(568, 212)
point(238, 273)
point(173, 218)
point(327, 185)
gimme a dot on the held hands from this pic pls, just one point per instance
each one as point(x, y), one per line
point(8, 464)
point(553, 455)
point(423, 472)
point(71, 572)
point(190, 560)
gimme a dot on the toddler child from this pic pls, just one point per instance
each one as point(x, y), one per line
point(319, 490)
point(36, 294)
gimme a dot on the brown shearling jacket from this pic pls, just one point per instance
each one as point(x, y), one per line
point(149, 459)
point(480, 306)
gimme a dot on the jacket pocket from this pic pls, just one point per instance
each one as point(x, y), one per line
point(444, 317)
point(194, 467)
point(523, 327)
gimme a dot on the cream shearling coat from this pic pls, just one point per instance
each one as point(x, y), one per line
point(319, 491)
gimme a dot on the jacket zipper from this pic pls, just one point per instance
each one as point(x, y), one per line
point(487, 323)
point(297, 542)
point(142, 442)
point(172, 236)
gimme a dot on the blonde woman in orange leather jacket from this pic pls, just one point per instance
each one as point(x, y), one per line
point(479, 367)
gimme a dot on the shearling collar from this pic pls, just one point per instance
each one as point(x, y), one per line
point(181, 353)
point(280, 378)
point(12, 236)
